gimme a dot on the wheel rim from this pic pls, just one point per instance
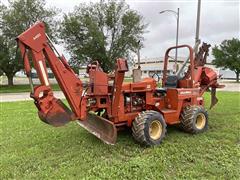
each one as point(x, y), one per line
point(155, 129)
point(200, 121)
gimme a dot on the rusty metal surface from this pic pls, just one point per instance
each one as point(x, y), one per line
point(100, 127)
point(214, 99)
point(201, 56)
point(58, 115)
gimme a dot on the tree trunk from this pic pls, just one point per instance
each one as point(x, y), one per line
point(10, 80)
point(237, 76)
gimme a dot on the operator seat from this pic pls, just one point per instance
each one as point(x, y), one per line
point(171, 81)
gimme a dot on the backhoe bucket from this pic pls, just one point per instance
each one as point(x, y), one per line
point(57, 115)
point(100, 127)
point(214, 99)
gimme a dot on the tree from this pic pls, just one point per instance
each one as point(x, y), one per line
point(8, 60)
point(227, 55)
point(101, 31)
point(14, 19)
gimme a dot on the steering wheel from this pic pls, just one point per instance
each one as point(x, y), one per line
point(156, 77)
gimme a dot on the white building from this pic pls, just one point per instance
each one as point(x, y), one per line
point(149, 66)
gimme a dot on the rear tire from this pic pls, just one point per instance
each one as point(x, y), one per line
point(149, 128)
point(194, 119)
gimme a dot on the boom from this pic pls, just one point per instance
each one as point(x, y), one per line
point(35, 42)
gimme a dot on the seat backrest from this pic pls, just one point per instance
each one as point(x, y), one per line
point(171, 81)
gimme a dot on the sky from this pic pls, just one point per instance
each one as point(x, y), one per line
point(220, 20)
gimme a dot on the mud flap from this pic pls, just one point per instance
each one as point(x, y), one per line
point(58, 114)
point(214, 99)
point(100, 127)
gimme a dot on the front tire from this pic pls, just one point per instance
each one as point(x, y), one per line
point(149, 128)
point(194, 119)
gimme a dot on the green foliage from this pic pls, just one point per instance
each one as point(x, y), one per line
point(15, 19)
point(227, 55)
point(9, 59)
point(19, 15)
point(101, 31)
point(31, 149)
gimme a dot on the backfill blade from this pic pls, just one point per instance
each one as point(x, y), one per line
point(100, 127)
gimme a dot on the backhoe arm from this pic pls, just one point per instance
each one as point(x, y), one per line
point(34, 43)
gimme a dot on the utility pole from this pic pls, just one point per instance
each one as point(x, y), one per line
point(176, 50)
point(197, 40)
point(138, 55)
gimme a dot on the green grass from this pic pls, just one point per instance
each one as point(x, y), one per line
point(22, 88)
point(31, 149)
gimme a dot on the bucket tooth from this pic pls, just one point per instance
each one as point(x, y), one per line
point(100, 127)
